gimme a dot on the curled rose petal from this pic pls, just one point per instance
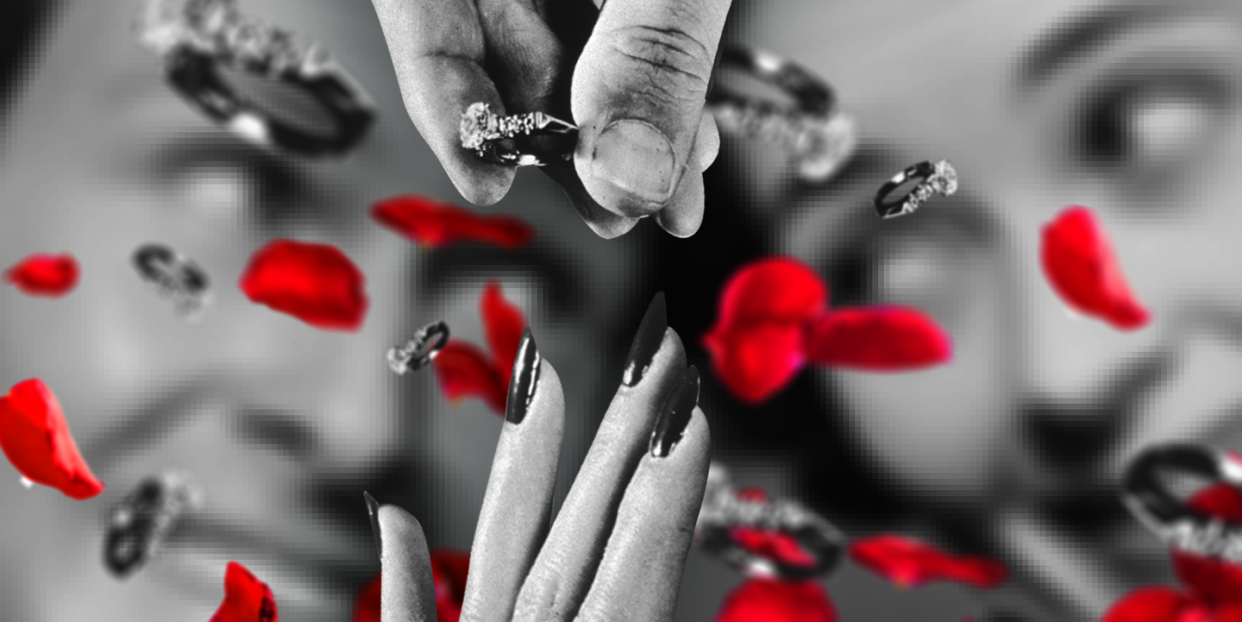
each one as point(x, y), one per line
point(464, 370)
point(367, 603)
point(877, 339)
point(769, 543)
point(756, 361)
point(315, 283)
point(1213, 579)
point(910, 563)
point(777, 289)
point(246, 598)
point(432, 223)
point(503, 323)
point(1082, 267)
point(35, 437)
point(449, 569)
point(765, 600)
point(45, 275)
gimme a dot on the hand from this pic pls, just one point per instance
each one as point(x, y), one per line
point(617, 549)
point(642, 71)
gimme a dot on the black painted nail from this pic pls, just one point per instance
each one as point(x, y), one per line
point(676, 415)
point(524, 380)
point(646, 342)
point(373, 510)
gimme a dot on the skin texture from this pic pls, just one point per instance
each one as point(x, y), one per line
point(645, 61)
point(618, 546)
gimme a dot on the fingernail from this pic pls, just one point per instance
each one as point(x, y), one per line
point(676, 415)
point(637, 158)
point(373, 510)
point(646, 342)
point(525, 378)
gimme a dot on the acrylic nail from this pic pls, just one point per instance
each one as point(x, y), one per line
point(524, 380)
point(646, 342)
point(676, 414)
point(373, 510)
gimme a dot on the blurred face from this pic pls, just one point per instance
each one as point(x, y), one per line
point(282, 424)
point(1136, 115)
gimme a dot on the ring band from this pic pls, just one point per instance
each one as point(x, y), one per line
point(195, 38)
point(507, 139)
point(819, 136)
point(1172, 520)
point(937, 178)
point(417, 352)
point(177, 277)
point(723, 513)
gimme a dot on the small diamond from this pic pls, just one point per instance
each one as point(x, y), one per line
point(945, 178)
point(398, 363)
point(165, 24)
point(823, 147)
point(476, 125)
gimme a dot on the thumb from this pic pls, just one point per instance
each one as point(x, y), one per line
point(638, 97)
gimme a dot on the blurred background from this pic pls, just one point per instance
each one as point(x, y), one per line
point(1011, 451)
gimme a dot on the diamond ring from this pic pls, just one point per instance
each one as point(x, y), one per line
point(197, 38)
point(937, 178)
point(418, 352)
point(817, 134)
point(177, 277)
point(1172, 520)
point(507, 139)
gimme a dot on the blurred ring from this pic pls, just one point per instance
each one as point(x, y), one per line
point(416, 353)
point(937, 178)
point(195, 38)
point(507, 139)
point(1172, 520)
point(819, 136)
point(169, 271)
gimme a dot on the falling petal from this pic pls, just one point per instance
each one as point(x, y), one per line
point(45, 275)
point(765, 600)
point(756, 361)
point(464, 370)
point(435, 224)
point(910, 563)
point(36, 439)
point(877, 339)
point(449, 569)
point(1213, 579)
point(778, 289)
point(315, 283)
point(1082, 267)
point(246, 598)
point(503, 323)
point(367, 603)
point(1157, 604)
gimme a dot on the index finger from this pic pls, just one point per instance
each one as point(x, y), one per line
point(437, 49)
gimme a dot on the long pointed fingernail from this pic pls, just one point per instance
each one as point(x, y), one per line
point(676, 414)
point(373, 510)
point(524, 380)
point(646, 342)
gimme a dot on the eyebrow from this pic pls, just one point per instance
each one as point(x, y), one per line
point(1087, 32)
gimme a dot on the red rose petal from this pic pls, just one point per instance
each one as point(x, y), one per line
point(246, 598)
point(756, 361)
point(910, 563)
point(432, 223)
point(503, 323)
point(772, 544)
point(1081, 266)
point(1212, 579)
point(367, 603)
point(45, 275)
point(449, 570)
point(1157, 604)
point(877, 339)
point(773, 290)
point(315, 283)
point(464, 370)
point(35, 437)
point(764, 600)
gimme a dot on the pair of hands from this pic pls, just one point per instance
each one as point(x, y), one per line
point(633, 77)
point(618, 547)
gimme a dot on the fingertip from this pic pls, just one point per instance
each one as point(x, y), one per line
point(479, 182)
point(684, 214)
point(707, 143)
point(399, 530)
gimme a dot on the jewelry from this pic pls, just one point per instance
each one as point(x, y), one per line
point(938, 178)
point(506, 140)
point(416, 353)
point(723, 514)
point(175, 277)
point(1172, 520)
point(138, 525)
point(195, 38)
point(819, 137)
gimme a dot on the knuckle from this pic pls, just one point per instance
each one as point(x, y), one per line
point(673, 61)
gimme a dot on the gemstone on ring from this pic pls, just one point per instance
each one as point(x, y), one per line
point(481, 130)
